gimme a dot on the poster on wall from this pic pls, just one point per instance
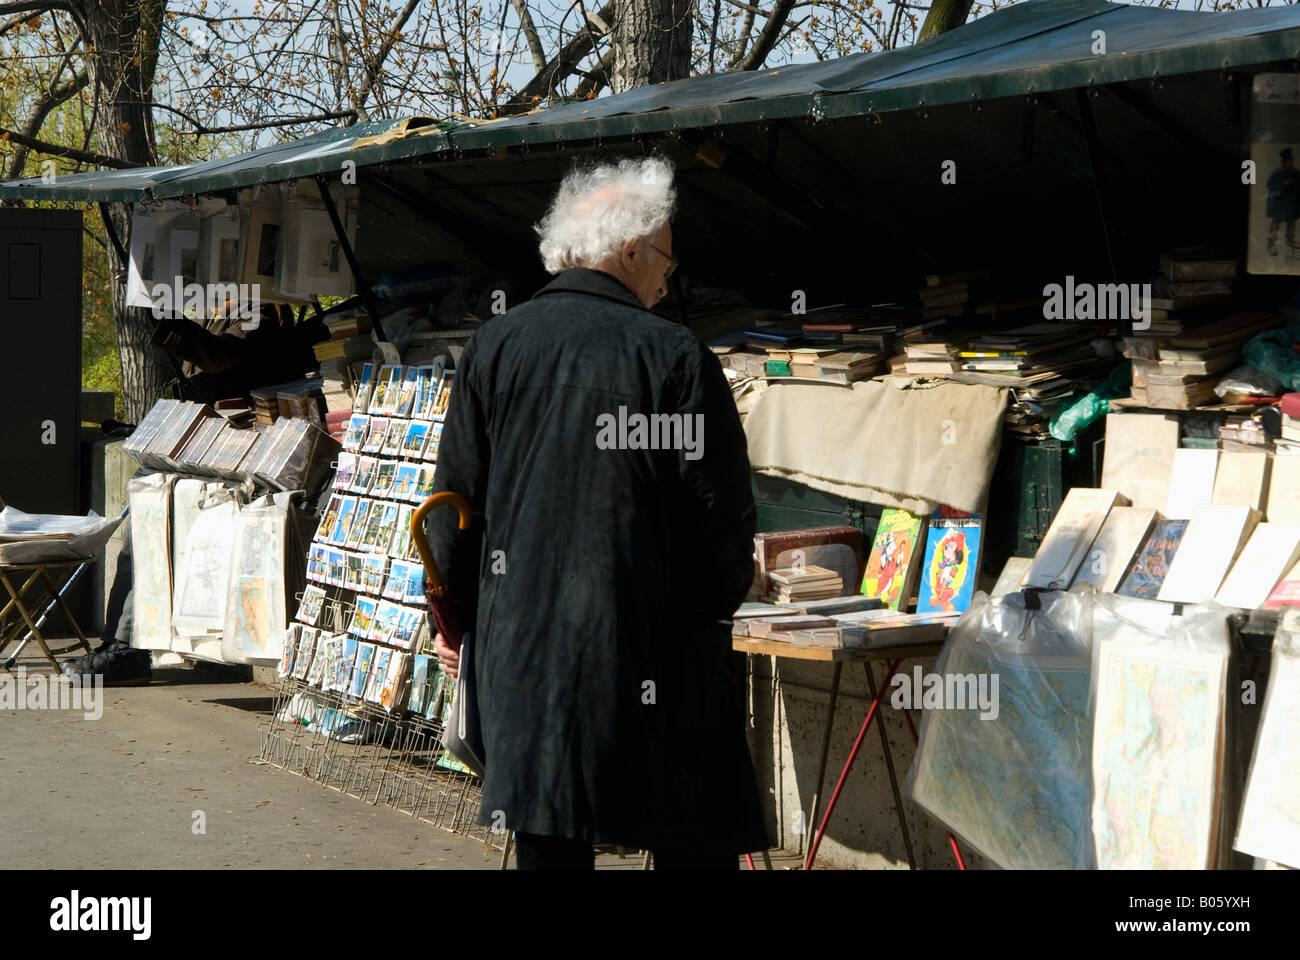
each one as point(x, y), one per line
point(1272, 246)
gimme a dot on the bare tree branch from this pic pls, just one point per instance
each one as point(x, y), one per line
point(54, 150)
point(768, 37)
point(561, 65)
point(376, 64)
point(530, 34)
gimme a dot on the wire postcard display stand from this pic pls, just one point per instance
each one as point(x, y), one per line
point(366, 752)
point(360, 704)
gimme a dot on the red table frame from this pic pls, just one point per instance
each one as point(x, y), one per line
point(892, 656)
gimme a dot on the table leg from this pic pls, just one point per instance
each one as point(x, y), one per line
point(827, 724)
point(848, 765)
point(893, 776)
point(31, 625)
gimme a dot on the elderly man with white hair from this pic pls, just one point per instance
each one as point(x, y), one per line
point(602, 454)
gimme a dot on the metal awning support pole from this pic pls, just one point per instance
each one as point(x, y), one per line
point(1093, 144)
point(113, 238)
point(363, 286)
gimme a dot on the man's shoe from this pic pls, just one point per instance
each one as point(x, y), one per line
point(119, 665)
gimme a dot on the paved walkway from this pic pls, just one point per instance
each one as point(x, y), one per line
point(125, 790)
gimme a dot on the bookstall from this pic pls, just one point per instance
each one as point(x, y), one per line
point(1055, 457)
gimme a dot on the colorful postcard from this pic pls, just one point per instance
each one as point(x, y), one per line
point(289, 648)
point(313, 598)
point(396, 434)
point(434, 441)
point(404, 483)
point(393, 692)
point(387, 528)
point(342, 520)
point(401, 545)
point(393, 391)
point(378, 674)
point(376, 435)
point(374, 569)
point(303, 656)
point(346, 472)
point(363, 616)
point(385, 473)
point(366, 467)
point(424, 485)
point(379, 396)
point(358, 426)
point(353, 571)
point(365, 387)
point(342, 675)
point(357, 524)
point(398, 581)
point(361, 669)
point(329, 519)
point(417, 432)
point(334, 566)
point(444, 396)
point(385, 621)
point(319, 662)
point(419, 694)
point(410, 389)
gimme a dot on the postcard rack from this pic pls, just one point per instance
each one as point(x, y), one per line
point(389, 760)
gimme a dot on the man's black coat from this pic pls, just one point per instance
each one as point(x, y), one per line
point(596, 581)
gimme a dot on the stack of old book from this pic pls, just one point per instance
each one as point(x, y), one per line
point(932, 353)
point(1192, 289)
point(947, 294)
point(1181, 372)
point(266, 406)
point(1192, 277)
point(353, 348)
point(804, 583)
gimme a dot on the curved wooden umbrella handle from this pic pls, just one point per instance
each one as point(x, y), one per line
point(432, 577)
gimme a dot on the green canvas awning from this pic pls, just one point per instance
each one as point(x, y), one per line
point(1034, 46)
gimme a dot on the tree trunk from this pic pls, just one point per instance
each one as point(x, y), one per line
point(652, 42)
point(944, 15)
point(123, 35)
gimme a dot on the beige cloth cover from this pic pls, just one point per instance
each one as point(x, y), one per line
point(893, 442)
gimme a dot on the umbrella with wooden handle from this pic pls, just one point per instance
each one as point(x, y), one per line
point(441, 607)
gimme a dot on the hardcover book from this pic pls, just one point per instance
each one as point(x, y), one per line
point(1139, 457)
point(1147, 573)
point(1213, 539)
point(1073, 529)
point(1192, 481)
point(1284, 491)
point(1271, 551)
point(1242, 478)
point(1111, 554)
point(896, 556)
point(951, 564)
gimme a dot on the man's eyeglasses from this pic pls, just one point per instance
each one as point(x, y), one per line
point(672, 261)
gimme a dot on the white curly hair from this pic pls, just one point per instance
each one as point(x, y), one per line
point(599, 208)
